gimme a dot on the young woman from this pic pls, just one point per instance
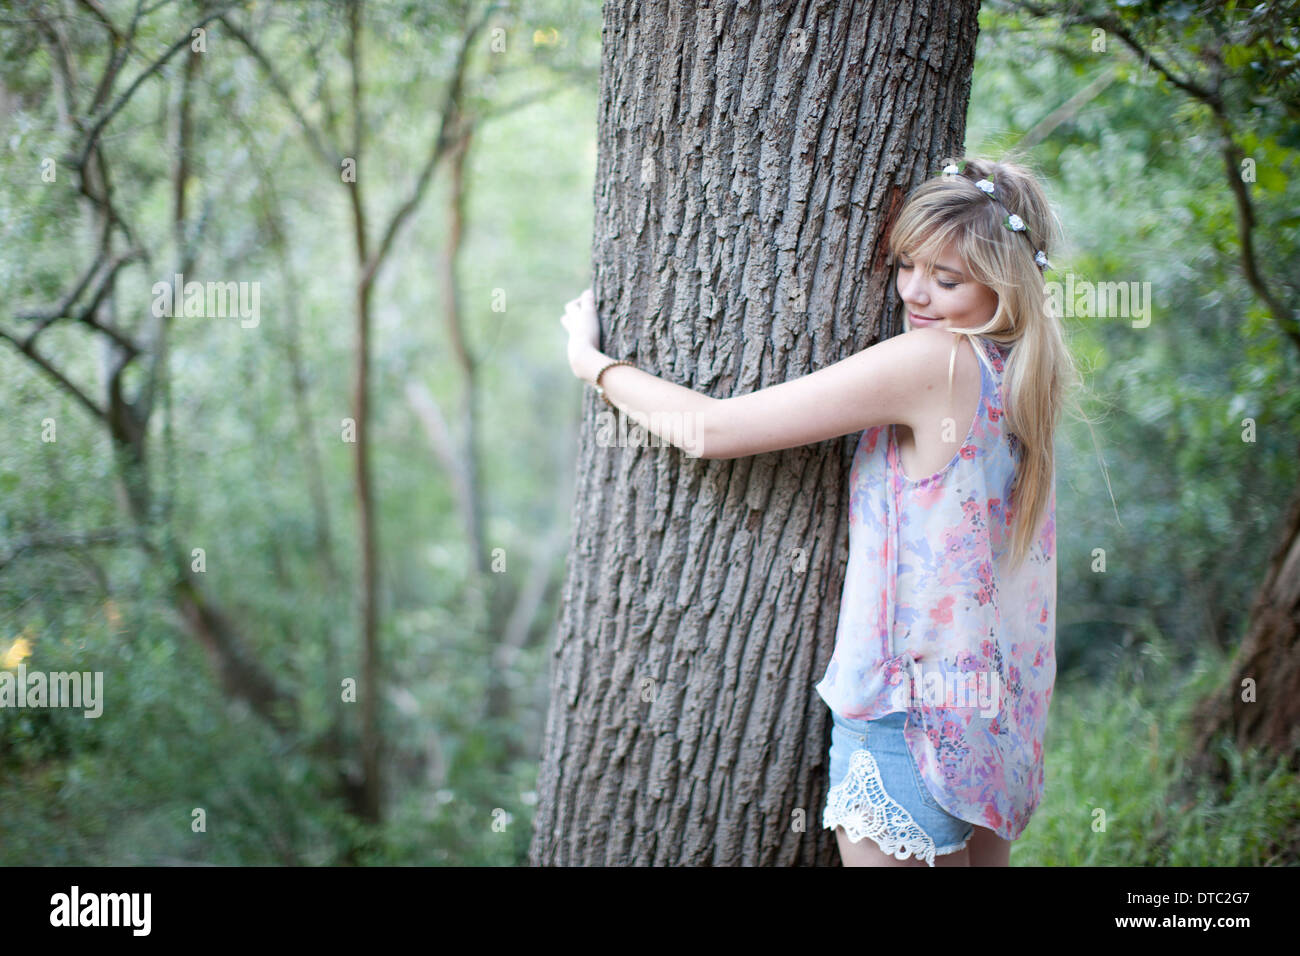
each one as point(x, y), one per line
point(944, 660)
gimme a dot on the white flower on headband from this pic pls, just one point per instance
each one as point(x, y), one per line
point(1041, 259)
point(951, 170)
point(1015, 223)
point(985, 185)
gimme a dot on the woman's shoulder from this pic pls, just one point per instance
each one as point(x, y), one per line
point(934, 343)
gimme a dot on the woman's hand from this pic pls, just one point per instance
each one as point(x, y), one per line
point(581, 320)
point(583, 326)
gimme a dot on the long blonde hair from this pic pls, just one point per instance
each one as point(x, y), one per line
point(1040, 371)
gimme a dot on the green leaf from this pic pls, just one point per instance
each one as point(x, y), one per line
point(1270, 178)
point(1236, 56)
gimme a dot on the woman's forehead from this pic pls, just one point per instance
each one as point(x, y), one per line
point(943, 256)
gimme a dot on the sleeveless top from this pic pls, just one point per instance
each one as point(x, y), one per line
point(935, 622)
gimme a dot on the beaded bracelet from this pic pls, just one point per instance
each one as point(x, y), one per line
point(601, 391)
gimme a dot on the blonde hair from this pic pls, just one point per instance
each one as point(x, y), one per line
point(1040, 371)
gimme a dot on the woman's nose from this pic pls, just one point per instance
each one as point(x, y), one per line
point(914, 289)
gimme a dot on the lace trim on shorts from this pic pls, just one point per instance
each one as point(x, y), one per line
point(860, 804)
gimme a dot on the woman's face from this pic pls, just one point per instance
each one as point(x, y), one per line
point(940, 293)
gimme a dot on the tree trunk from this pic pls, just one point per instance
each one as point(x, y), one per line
point(1260, 706)
point(750, 158)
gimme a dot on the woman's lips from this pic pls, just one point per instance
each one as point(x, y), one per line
point(921, 319)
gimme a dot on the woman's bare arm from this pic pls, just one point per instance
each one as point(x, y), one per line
point(896, 381)
point(671, 412)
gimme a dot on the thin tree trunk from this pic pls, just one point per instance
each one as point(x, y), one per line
point(372, 790)
point(749, 161)
point(471, 502)
point(371, 761)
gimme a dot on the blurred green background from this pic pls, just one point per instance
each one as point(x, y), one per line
point(1185, 510)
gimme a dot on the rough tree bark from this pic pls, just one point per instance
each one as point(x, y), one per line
point(750, 158)
point(1267, 664)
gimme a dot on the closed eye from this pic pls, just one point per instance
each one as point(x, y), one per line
point(907, 266)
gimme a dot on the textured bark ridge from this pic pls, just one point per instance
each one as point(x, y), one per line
point(750, 158)
point(1260, 705)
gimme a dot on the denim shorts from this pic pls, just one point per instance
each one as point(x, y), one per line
point(877, 791)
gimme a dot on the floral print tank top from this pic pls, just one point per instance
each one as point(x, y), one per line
point(935, 622)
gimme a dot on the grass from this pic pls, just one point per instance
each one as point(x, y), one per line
point(1116, 786)
point(1116, 793)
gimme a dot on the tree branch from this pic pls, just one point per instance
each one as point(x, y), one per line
point(101, 15)
point(29, 349)
point(1114, 25)
point(360, 231)
point(532, 593)
point(330, 123)
point(117, 53)
point(65, 541)
point(1245, 231)
point(105, 201)
point(442, 142)
point(314, 135)
point(185, 247)
point(526, 100)
point(426, 409)
point(1067, 110)
point(97, 127)
point(64, 69)
point(86, 315)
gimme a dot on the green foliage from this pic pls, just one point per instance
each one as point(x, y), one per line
point(236, 449)
point(1115, 774)
point(1171, 483)
point(233, 458)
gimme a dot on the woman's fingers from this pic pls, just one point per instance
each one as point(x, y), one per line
point(575, 308)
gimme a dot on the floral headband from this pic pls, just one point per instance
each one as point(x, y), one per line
point(1011, 220)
